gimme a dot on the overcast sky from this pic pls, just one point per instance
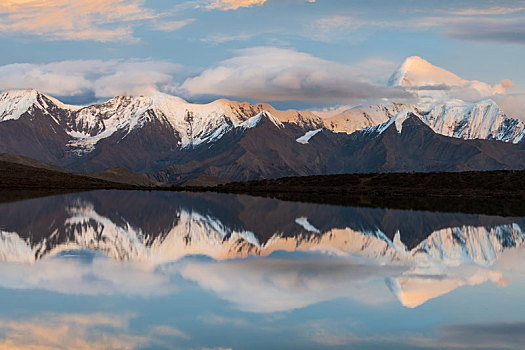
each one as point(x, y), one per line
point(293, 53)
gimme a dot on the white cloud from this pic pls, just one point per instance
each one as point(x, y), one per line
point(496, 10)
point(101, 277)
point(276, 74)
point(262, 74)
point(474, 24)
point(169, 331)
point(273, 285)
point(512, 104)
point(90, 77)
point(339, 22)
point(215, 39)
point(337, 27)
point(171, 26)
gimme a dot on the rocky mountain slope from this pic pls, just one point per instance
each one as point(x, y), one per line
point(270, 152)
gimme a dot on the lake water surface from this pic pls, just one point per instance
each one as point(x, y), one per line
point(162, 270)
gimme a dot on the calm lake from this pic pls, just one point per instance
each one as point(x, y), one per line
point(163, 270)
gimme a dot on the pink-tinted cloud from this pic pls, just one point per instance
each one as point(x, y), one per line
point(82, 331)
point(72, 331)
point(235, 4)
point(96, 20)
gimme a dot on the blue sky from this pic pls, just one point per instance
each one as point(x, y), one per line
point(293, 53)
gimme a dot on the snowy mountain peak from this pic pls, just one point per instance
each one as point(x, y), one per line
point(416, 71)
point(14, 103)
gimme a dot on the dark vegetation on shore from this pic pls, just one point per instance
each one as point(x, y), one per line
point(479, 192)
point(491, 192)
point(473, 184)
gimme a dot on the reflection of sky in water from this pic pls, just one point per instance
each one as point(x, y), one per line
point(358, 282)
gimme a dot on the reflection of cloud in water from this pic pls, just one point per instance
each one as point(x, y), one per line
point(261, 284)
point(69, 331)
point(363, 251)
point(270, 285)
point(99, 275)
point(493, 335)
point(255, 285)
point(82, 331)
point(488, 335)
point(258, 285)
point(414, 290)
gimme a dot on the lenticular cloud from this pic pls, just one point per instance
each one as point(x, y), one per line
point(275, 74)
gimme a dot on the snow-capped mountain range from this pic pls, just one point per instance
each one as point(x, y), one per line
point(194, 124)
point(163, 134)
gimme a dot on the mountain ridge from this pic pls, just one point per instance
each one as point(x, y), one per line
point(174, 141)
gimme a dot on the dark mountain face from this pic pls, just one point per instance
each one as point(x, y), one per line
point(271, 152)
point(227, 142)
point(149, 148)
point(36, 135)
point(265, 151)
point(418, 148)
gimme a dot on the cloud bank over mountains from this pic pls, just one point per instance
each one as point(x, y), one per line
point(94, 79)
point(258, 74)
point(276, 74)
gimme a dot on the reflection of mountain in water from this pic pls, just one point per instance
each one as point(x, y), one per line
point(161, 227)
point(167, 226)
